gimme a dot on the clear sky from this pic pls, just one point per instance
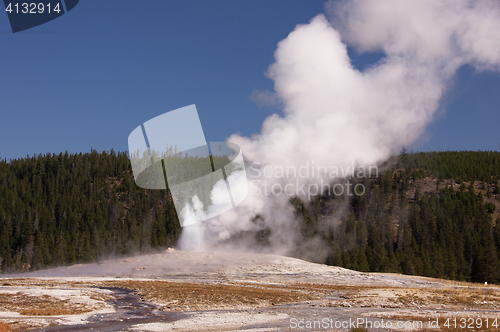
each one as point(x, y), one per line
point(88, 78)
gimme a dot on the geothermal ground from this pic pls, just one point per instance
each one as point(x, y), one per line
point(215, 291)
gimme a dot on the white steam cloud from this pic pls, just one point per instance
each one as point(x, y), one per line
point(337, 115)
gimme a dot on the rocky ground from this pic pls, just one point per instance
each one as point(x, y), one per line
point(215, 291)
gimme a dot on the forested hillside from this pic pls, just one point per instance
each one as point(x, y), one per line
point(432, 214)
point(64, 209)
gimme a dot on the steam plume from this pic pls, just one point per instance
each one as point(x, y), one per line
point(337, 115)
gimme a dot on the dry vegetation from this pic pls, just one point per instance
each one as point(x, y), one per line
point(29, 298)
point(173, 296)
point(4, 327)
point(43, 305)
point(461, 298)
point(222, 294)
point(193, 296)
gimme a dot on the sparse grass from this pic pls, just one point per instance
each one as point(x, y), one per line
point(180, 296)
point(41, 305)
point(469, 296)
point(101, 297)
point(352, 289)
point(40, 310)
point(46, 312)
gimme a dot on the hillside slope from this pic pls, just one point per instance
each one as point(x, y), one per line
point(432, 214)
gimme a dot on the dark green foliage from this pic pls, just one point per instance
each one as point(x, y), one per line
point(72, 208)
point(490, 207)
point(463, 166)
point(65, 209)
point(444, 232)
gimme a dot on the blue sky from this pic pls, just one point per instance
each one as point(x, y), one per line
point(88, 78)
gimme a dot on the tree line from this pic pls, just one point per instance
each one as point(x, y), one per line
point(449, 232)
point(76, 208)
